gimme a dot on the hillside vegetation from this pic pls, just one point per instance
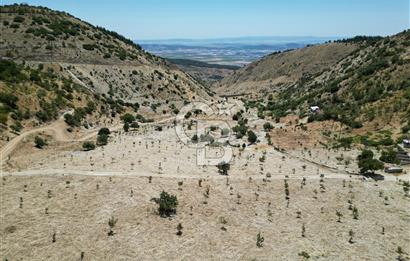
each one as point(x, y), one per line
point(363, 83)
point(100, 60)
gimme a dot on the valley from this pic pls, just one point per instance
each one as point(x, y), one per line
point(109, 152)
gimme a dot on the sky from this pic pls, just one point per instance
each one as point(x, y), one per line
point(170, 19)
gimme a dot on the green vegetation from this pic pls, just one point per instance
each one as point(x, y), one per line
point(39, 142)
point(88, 145)
point(389, 156)
point(102, 137)
point(223, 168)
point(252, 138)
point(366, 162)
point(167, 204)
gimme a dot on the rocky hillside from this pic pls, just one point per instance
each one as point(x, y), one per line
point(96, 58)
point(363, 82)
point(283, 69)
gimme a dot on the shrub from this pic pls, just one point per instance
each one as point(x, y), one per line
point(389, 156)
point(89, 47)
point(194, 138)
point(345, 142)
point(166, 204)
point(102, 140)
point(267, 126)
point(134, 125)
point(104, 131)
point(126, 127)
point(18, 19)
point(128, 118)
point(88, 145)
point(223, 168)
point(39, 142)
point(367, 163)
point(252, 138)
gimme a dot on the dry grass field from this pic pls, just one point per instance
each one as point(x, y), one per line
point(68, 195)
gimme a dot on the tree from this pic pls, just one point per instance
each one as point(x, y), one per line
point(252, 138)
point(223, 168)
point(128, 118)
point(39, 142)
point(126, 127)
point(259, 240)
point(366, 162)
point(179, 229)
point(104, 131)
point(389, 156)
point(102, 140)
point(88, 145)
point(267, 126)
point(111, 223)
point(194, 138)
point(166, 204)
point(134, 125)
point(339, 215)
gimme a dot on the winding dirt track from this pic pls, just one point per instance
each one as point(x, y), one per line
point(58, 131)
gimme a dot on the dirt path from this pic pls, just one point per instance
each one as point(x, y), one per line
point(58, 131)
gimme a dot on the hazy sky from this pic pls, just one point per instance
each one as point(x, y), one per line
point(159, 19)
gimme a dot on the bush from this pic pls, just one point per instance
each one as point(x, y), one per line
point(389, 156)
point(252, 138)
point(126, 127)
point(223, 168)
point(367, 163)
point(104, 131)
point(345, 142)
point(194, 138)
point(134, 125)
point(128, 118)
point(39, 142)
point(166, 204)
point(18, 19)
point(89, 47)
point(102, 140)
point(267, 126)
point(88, 145)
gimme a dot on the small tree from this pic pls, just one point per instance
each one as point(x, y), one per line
point(179, 229)
point(39, 142)
point(104, 131)
point(128, 118)
point(259, 240)
point(351, 235)
point(223, 168)
point(88, 145)
point(339, 216)
point(252, 138)
point(111, 223)
point(102, 140)
point(267, 126)
point(166, 204)
point(366, 162)
point(134, 125)
point(126, 127)
point(194, 139)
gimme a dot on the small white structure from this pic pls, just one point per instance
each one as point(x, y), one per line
point(406, 143)
point(314, 109)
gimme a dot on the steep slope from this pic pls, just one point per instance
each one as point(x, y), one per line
point(367, 90)
point(100, 60)
point(283, 69)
